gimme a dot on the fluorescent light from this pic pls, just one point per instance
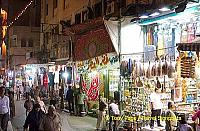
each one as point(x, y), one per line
point(164, 9)
point(144, 17)
point(155, 14)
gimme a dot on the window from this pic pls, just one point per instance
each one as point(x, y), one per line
point(55, 3)
point(23, 43)
point(65, 4)
point(84, 16)
point(78, 18)
point(98, 10)
point(46, 9)
point(122, 3)
point(30, 43)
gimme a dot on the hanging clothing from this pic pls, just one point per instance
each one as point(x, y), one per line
point(51, 78)
point(45, 81)
point(42, 79)
point(56, 77)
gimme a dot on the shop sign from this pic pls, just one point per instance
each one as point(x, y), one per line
point(97, 63)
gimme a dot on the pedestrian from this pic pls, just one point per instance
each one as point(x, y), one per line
point(172, 123)
point(51, 121)
point(1, 80)
point(18, 91)
point(42, 105)
point(27, 90)
point(12, 103)
point(81, 98)
point(37, 92)
point(4, 109)
point(156, 106)
point(70, 99)
point(28, 104)
point(114, 112)
point(53, 96)
point(101, 114)
point(183, 126)
point(34, 118)
point(195, 117)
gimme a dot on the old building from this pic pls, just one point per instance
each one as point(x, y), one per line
point(23, 33)
point(57, 15)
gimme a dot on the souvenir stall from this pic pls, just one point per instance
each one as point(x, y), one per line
point(35, 74)
point(160, 64)
point(179, 36)
point(98, 76)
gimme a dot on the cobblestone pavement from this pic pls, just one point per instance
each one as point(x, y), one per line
point(69, 123)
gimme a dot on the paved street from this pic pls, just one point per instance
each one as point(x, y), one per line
point(69, 123)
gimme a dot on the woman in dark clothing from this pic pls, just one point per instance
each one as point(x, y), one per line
point(34, 118)
point(12, 103)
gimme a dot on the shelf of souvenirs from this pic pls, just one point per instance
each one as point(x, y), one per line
point(184, 107)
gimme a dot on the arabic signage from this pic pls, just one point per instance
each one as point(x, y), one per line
point(109, 60)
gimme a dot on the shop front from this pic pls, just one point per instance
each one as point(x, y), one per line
point(95, 60)
point(168, 61)
point(98, 77)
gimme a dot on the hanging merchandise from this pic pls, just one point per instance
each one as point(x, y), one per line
point(148, 72)
point(124, 69)
point(139, 82)
point(51, 79)
point(158, 84)
point(130, 67)
point(170, 70)
point(69, 75)
point(155, 36)
point(165, 66)
point(56, 77)
point(153, 70)
point(160, 46)
point(149, 36)
point(45, 80)
point(187, 67)
point(184, 33)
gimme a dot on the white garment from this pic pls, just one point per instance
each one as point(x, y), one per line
point(115, 108)
point(7, 84)
point(41, 79)
point(4, 105)
point(42, 105)
point(56, 77)
point(155, 99)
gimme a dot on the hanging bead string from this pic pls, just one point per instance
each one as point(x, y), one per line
point(20, 14)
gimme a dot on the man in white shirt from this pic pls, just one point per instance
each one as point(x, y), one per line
point(156, 106)
point(4, 109)
point(114, 112)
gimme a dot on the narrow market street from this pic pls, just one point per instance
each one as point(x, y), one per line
point(69, 123)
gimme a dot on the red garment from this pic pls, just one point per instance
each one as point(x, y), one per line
point(45, 81)
point(195, 116)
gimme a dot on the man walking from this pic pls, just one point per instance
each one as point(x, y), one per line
point(51, 121)
point(101, 115)
point(70, 99)
point(28, 105)
point(34, 118)
point(4, 109)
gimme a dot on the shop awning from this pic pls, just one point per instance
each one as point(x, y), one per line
point(131, 35)
point(91, 39)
